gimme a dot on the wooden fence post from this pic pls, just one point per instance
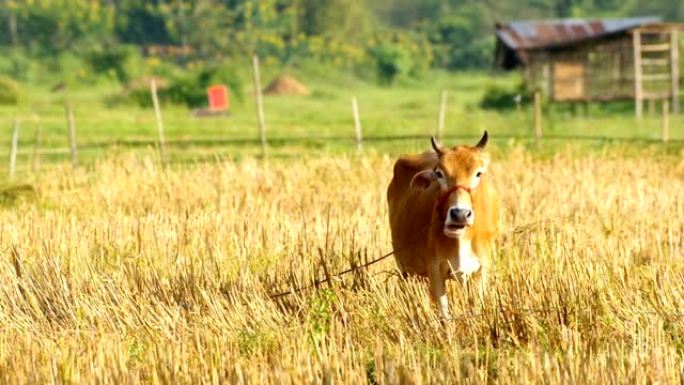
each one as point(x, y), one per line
point(35, 157)
point(259, 104)
point(160, 121)
point(357, 124)
point(537, 118)
point(665, 133)
point(442, 115)
point(72, 135)
point(13, 150)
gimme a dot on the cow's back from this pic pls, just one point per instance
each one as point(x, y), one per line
point(410, 211)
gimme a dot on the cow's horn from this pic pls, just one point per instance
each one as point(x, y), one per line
point(436, 146)
point(483, 141)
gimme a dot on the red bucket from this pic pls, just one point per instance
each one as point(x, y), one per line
point(218, 98)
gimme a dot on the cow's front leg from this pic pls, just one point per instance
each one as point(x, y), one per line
point(438, 289)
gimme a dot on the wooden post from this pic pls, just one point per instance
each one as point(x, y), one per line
point(160, 121)
point(442, 115)
point(35, 157)
point(72, 135)
point(638, 85)
point(537, 118)
point(615, 78)
point(259, 104)
point(357, 124)
point(665, 133)
point(674, 68)
point(13, 150)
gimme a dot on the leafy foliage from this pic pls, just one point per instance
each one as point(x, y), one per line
point(391, 61)
point(190, 89)
point(396, 37)
point(112, 61)
point(463, 39)
point(503, 98)
point(185, 88)
point(9, 91)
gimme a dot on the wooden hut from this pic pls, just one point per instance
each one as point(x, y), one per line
point(576, 60)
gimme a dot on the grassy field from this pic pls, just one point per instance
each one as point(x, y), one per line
point(126, 273)
point(320, 121)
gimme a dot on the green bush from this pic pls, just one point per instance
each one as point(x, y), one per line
point(392, 61)
point(69, 65)
point(191, 88)
point(9, 91)
point(111, 61)
point(17, 65)
point(188, 88)
point(503, 98)
point(228, 75)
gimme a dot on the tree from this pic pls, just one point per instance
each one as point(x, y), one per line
point(139, 22)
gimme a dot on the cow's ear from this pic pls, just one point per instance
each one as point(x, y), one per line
point(423, 179)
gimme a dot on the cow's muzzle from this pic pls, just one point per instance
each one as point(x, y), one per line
point(458, 219)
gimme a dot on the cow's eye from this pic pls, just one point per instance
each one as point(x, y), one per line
point(478, 174)
point(439, 174)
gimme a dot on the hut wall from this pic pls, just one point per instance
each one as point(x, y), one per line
point(601, 70)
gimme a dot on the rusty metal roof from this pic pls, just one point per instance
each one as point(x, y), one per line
point(553, 33)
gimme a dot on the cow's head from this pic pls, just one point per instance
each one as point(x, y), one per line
point(458, 173)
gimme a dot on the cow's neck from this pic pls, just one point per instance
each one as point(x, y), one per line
point(468, 262)
point(462, 260)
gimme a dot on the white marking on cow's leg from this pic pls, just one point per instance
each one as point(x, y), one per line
point(444, 306)
point(438, 289)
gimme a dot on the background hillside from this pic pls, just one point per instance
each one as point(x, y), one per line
point(388, 39)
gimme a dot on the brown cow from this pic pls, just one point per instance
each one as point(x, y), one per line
point(450, 192)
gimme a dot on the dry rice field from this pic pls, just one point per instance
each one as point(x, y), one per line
point(125, 273)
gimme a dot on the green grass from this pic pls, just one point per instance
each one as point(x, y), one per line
point(406, 109)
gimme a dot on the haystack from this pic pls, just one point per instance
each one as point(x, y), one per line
point(286, 85)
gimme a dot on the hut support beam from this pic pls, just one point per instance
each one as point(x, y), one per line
point(674, 68)
point(638, 85)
